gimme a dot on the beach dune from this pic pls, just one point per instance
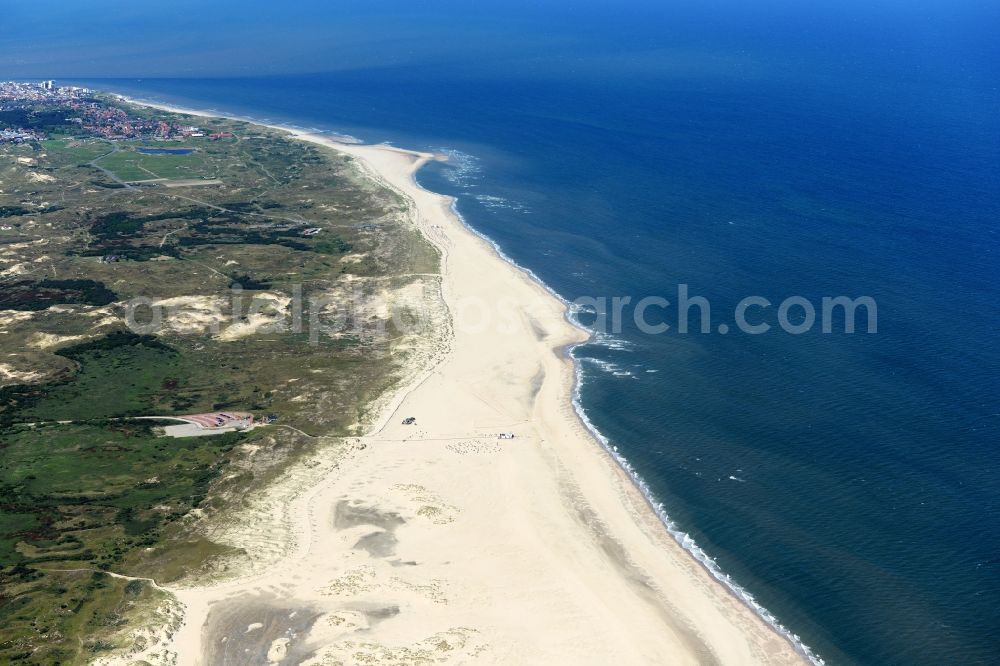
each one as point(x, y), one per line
point(440, 542)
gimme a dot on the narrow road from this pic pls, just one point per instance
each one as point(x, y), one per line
point(109, 174)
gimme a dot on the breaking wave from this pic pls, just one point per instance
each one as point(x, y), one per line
point(681, 537)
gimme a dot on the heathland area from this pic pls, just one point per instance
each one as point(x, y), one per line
point(240, 240)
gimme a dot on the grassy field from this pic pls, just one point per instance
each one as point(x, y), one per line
point(129, 165)
point(65, 152)
point(102, 494)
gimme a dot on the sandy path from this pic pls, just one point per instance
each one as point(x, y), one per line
point(437, 542)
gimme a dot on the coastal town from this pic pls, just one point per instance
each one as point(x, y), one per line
point(51, 109)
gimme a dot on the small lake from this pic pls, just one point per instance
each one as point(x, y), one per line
point(165, 151)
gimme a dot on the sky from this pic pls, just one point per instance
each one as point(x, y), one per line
point(202, 38)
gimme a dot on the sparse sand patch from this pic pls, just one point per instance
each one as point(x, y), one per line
point(49, 340)
point(11, 375)
point(456, 645)
point(355, 258)
point(16, 269)
point(11, 317)
point(268, 313)
point(191, 315)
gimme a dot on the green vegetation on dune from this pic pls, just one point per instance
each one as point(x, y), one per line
point(122, 374)
point(106, 493)
point(126, 234)
point(82, 498)
point(68, 617)
point(38, 295)
point(12, 525)
point(69, 476)
point(14, 211)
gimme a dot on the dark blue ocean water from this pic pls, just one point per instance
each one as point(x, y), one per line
point(850, 482)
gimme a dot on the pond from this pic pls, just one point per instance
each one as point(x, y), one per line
point(165, 151)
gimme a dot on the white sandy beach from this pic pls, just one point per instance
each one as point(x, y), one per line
point(439, 543)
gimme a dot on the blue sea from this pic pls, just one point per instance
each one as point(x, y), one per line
point(849, 482)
